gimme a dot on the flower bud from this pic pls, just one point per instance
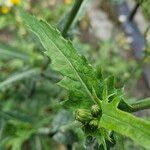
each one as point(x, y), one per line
point(83, 116)
point(93, 124)
point(95, 110)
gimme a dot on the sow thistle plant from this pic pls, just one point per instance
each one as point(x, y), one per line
point(97, 104)
point(6, 5)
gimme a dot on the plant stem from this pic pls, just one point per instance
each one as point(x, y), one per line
point(141, 104)
point(133, 12)
point(71, 17)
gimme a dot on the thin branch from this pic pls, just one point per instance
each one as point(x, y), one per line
point(133, 12)
point(141, 104)
point(71, 17)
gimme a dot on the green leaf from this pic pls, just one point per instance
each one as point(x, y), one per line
point(13, 115)
point(18, 76)
point(8, 52)
point(79, 76)
point(125, 123)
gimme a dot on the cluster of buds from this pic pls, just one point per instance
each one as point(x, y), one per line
point(6, 5)
point(89, 118)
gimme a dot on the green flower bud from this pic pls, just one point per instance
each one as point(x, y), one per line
point(95, 110)
point(83, 116)
point(93, 124)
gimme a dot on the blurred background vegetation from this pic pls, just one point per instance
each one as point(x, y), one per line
point(31, 117)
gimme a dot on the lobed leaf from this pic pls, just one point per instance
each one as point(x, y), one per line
point(79, 76)
point(125, 123)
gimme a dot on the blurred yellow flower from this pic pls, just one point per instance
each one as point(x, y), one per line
point(52, 2)
point(5, 10)
point(68, 2)
point(15, 2)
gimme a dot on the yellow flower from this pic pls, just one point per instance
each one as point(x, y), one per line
point(68, 2)
point(5, 10)
point(15, 2)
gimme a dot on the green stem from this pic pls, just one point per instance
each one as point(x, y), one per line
point(141, 104)
point(71, 17)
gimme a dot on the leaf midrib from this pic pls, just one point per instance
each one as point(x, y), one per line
point(84, 85)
